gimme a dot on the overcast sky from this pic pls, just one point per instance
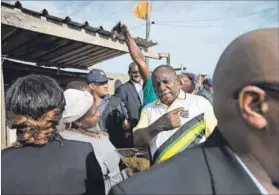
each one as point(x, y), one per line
point(194, 32)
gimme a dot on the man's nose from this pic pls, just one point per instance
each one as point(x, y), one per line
point(162, 87)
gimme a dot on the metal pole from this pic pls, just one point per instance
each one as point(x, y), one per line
point(147, 28)
point(168, 60)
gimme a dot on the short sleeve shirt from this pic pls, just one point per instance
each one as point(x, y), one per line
point(195, 105)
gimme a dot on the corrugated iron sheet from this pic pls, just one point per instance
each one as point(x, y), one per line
point(56, 51)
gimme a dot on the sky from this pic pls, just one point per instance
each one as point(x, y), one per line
point(195, 33)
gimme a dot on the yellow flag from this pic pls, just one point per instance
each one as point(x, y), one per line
point(141, 9)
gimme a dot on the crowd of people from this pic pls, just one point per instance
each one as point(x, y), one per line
point(199, 141)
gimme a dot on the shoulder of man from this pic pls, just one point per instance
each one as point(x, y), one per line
point(154, 180)
point(151, 105)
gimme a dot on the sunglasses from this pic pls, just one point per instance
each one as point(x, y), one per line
point(101, 83)
point(271, 88)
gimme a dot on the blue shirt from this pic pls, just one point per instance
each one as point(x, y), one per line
point(104, 104)
point(206, 94)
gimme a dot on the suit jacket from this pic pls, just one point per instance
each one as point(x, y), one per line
point(205, 169)
point(128, 93)
point(70, 168)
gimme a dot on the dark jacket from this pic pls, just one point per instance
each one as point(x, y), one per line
point(70, 168)
point(111, 120)
point(128, 93)
point(206, 169)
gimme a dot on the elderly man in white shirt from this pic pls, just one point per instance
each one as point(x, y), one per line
point(174, 122)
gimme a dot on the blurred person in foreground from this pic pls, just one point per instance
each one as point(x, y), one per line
point(42, 162)
point(113, 111)
point(206, 91)
point(80, 115)
point(242, 154)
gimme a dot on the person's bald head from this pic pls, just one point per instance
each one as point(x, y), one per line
point(247, 112)
point(166, 84)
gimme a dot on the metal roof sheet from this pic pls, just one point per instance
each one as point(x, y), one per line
point(27, 35)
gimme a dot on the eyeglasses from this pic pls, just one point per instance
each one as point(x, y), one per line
point(271, 88)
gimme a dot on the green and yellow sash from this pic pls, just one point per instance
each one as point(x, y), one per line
point(186, 136)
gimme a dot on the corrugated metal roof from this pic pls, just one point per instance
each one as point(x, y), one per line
point(32, 44)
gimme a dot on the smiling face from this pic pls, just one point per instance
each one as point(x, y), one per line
point(165, 84)
point(134, 73)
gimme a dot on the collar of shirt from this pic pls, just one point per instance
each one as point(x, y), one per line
point(104, 103)
point(140, 83)
point(256, 182)
point(139, 89)
point(181, 96)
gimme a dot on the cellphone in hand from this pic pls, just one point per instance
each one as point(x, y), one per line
point(117, 27)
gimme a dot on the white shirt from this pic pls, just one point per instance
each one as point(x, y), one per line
point(193, 103)
point(139, 89)
point(254, 179)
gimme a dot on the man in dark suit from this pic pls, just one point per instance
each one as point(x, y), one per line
point(132, 94)
point(242, 155)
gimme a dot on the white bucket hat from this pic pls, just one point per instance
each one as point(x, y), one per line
point(77, 104)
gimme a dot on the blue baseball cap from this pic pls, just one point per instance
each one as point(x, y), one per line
point(193, 77)
point(97, 76)
point(207, 82)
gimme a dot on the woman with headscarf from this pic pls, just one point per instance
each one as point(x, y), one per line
point(80, 115)
point(42, 162)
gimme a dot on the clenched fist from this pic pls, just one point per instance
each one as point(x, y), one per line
point(170, 120)
point(119, 30)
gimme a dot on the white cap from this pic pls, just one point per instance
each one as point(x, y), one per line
point(77, 104)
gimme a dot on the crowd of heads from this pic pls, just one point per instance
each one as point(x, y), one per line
point(246, 106)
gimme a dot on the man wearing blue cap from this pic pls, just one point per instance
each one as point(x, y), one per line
point(114, 115)
point(206, 91)
point(98, 82)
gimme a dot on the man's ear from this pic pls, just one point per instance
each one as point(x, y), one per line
point(253, 107)
point(91, 86)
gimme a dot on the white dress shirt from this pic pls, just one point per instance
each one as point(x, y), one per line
point(139, 89)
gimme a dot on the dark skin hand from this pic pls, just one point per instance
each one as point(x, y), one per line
point(134, 51)
point(169, 121)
